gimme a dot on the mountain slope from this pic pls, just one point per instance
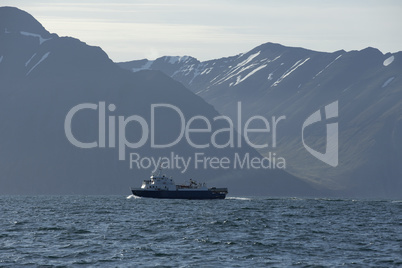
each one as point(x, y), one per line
point(274, 80)
point(43, 76)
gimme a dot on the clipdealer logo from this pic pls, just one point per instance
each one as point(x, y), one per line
point(112, 134)
point(112, 128)
point(330, 156)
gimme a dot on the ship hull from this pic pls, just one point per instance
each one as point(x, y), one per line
point(178, 194)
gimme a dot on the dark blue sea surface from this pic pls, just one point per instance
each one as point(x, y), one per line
point(116, 231)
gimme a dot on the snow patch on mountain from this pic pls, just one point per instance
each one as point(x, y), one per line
point(250, 58)
point(146, 66)
point(234, 72)
point(185, 70)
point(196, 73)
point(276, 58)
point(239, 68)
point(289, 71)
point(250, 74)
point(389, 80)
point(41, 39)
point(270, 76)
point(388, 61)
point(42, 59)
point(326, 66)
point(176, 59)
point(207, 70)
point(28, 61)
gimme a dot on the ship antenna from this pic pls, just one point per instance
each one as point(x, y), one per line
point(160, 169)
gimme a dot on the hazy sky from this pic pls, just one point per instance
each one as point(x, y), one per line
point(208, 29)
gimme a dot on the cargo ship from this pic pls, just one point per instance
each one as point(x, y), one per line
point(160, 186)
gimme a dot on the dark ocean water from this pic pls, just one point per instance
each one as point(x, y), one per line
point(116, 231)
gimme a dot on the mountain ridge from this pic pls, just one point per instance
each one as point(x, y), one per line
point(43, 77)
point(272, 80)
point(15, 20)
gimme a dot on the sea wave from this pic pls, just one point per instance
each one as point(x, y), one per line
point(239, 198)
point(133, 197)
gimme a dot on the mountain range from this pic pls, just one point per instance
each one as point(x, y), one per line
point(48, 83)
point(275, 80)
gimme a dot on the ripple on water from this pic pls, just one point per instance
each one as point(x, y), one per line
point(244, 232)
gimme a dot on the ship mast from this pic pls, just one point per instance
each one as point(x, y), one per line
point(160, 170)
